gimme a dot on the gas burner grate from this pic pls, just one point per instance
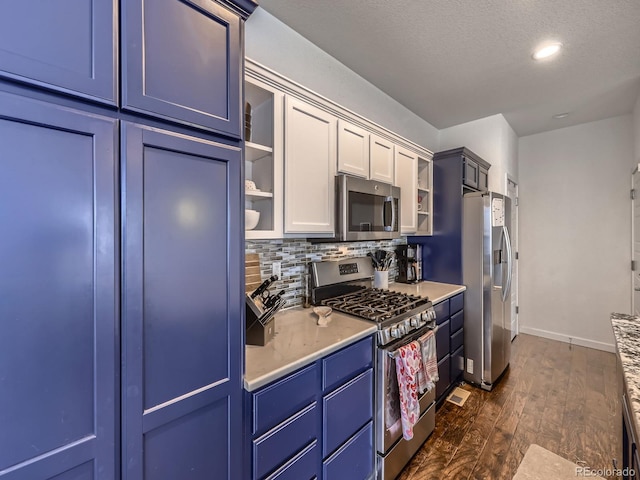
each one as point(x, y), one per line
point(375, 304)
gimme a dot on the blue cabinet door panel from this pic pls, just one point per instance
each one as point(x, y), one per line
point(354, 460)
point(346, 410)
point(277, 445)
point(457, 363)
point(190, 76)
point(193, 446)
point(457, 321)
point(442, 311)
point(346, 363)
point(456, 302)
point(443, 340)
point(66, 45)
point(444, 374)
point(278, 401)
point(58, 304)
point(303, 466)
point(457, 339)
point(181, 309)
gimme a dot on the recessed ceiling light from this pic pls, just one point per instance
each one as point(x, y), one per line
point(547, 50)
point(561, 115)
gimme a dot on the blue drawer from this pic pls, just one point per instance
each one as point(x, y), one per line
point(442, 311)
point(303, 466)
point(354, 460)
point(277, 445)
point(444, 373)
point(457, 339)
point(457, 364)
point(346, 410)
point(457, 321)
point(443, 340)
point(278, 401)
point(347, 363)
point(456, 302)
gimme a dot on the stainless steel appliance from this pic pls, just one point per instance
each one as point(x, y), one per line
point(486, 271)
point(345, 286)
point(366, 209)
point(409, 259)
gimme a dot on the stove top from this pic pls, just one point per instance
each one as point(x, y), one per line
point(344, 286)
point(376, 304)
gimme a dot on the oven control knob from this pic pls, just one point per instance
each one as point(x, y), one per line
point(395, 332)
point(402, 329)
point(414, 321)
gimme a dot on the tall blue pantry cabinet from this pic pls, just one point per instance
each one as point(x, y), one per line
point(121, 248)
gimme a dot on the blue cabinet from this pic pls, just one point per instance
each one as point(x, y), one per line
point(68, 46)
point(449, 343)
point(58, 346)
point(316, 422)
point(182, 61)
point(180, 306)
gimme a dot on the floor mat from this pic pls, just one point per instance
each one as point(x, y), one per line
point(458, 396)
point(539, 463)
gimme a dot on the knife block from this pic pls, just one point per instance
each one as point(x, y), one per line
point(260, 323)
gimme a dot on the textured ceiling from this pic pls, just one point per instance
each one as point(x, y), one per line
point(453, 61)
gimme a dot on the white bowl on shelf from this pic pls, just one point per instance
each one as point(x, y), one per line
point(251, 218)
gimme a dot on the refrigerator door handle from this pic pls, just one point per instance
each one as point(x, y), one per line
point(507, 291)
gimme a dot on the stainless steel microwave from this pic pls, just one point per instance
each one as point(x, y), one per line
point(366, 209)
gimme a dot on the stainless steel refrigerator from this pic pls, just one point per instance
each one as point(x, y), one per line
point(486, 271)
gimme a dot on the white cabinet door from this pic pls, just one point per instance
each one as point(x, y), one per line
point(406, 177)
point(309, 168)
point(381, 159)
point(353, 149)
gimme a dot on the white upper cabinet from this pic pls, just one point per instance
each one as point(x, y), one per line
point(406, 177)
point(309, 169)
point(353, 149)
point(381, 159)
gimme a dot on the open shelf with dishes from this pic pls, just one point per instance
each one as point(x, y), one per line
point(425, 196)
point(263, 160)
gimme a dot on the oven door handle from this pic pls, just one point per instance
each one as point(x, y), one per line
point(393, 350)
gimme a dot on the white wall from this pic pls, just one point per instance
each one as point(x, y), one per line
point(636, 131)
point(494, 140)
point(275, 45)
point(575, 230)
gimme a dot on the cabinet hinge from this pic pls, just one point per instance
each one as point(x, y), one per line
point(517, 255)
point(517, 309)
point(633, 265)
point(517, 201)
point(633, 194)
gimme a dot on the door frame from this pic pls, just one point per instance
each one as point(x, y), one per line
point(635, 273)
point(514, 229)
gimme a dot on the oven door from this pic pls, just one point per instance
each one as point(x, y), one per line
point(388, 425)
point(367, 210)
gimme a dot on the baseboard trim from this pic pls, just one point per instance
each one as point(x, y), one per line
point(583, 342)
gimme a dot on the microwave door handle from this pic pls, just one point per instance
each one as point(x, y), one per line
point(389, 200)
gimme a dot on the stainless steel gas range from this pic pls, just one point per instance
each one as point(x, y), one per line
point(345, 286)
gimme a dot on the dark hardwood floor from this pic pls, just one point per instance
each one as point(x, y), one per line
point(565, 399)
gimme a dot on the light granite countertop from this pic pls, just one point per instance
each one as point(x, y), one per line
point(299, 340)
point(435, 291)
point(626, 329)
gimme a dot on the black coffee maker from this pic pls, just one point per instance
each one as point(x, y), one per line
point(409, 259)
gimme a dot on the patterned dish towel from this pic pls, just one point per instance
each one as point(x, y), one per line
point(408, 364)
point(428, 374)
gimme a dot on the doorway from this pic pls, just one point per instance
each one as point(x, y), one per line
point(512, 193)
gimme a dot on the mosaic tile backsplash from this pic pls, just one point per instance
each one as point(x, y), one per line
point(294, 256)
